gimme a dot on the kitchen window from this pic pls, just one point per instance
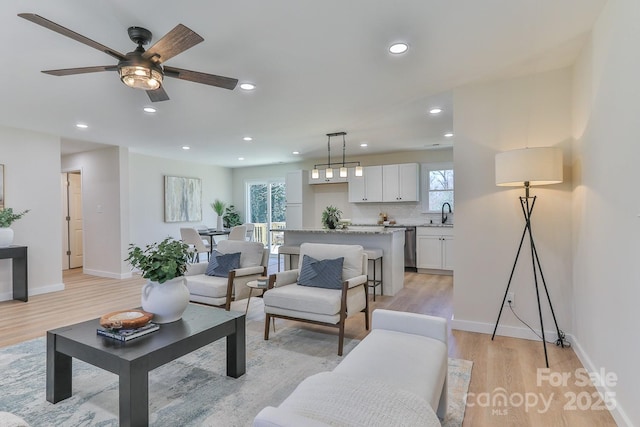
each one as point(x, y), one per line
point(437, 184)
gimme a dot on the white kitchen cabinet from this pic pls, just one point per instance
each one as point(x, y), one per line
point(400, 183)
point(366, 188)
point(300, 199)
point(434, 248)
point(322, 179)
point(294, 215)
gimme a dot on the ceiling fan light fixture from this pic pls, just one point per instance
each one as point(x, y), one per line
point(140, 77)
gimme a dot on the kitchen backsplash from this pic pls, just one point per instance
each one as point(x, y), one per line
point(402, 213)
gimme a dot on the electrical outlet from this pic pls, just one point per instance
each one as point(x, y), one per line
point(511, 296)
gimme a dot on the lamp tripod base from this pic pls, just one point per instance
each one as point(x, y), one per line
point(527, 210)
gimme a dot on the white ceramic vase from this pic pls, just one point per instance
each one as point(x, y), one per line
point(6, 237)
point(167, 301)
point(220, 226)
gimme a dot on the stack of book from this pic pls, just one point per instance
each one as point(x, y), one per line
point(263, 281)
point(128, 334)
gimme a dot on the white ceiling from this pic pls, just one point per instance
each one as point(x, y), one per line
point(319, 67)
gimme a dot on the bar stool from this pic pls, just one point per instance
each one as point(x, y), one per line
point(375, 255)
point(288, 250)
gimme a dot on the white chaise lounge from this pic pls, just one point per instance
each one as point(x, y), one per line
point(397, 375)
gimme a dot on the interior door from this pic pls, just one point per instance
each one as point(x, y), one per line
point(72, 253)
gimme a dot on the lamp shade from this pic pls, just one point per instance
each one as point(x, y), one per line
point(537, 166)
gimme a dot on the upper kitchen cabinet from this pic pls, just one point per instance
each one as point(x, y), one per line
point(322, 178)
point(400, 183)
point(366, 188)
point(295, 183)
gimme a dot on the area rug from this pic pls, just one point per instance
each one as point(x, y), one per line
point(192, 390)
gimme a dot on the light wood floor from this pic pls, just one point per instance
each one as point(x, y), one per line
point(506, 366)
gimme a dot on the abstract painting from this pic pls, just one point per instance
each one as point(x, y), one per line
point(182, 199)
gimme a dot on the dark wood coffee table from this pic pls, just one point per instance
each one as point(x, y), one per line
point(132, 360)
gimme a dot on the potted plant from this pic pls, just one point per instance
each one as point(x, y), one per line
point(218, 207)
point(163, 264)
point(231, 217)
point(330, 217)
point(7, 217)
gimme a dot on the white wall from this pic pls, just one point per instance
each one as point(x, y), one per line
point(490, 118)
point(32, 181)
point(606, 209)
point(146, 209)
point(105, 209)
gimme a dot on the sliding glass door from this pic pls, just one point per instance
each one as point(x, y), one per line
point(266, 207)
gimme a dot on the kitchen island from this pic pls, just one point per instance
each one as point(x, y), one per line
point(390, 240)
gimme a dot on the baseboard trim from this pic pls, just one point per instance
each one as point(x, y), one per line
point(618, 413)
point(107, 274)
point(8, 296)
point(506, 331)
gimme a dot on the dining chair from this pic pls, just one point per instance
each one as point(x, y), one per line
point(239, 232)
point(250, 229)
point(191, 237)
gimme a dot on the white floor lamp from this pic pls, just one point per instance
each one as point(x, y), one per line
point(527, 167)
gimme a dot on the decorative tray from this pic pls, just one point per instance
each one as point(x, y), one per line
point(128, 319)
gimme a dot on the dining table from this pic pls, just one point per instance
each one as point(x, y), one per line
point(211, 232)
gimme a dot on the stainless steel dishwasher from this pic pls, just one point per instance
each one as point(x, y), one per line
point(409, 246)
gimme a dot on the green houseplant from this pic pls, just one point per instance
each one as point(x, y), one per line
point(164, 264)
point(330, 217)
point(162, 261)
point(218, 207)
point(7, 217)
point(231, 217)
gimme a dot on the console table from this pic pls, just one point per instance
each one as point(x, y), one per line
point(18, 254)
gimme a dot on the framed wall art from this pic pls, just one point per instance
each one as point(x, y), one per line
point(182, 199)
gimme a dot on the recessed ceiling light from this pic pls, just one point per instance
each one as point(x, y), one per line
point(247, 86)
point(448, 135)
point(149, 110)
point(248, 138)
point(397, 48)
point(240, 158)
point(296, 152)
point(435, 110)
point(81, 126)
point(364, 144)
point(186, 147)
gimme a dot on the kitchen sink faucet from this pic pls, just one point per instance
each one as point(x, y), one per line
point(444, 216)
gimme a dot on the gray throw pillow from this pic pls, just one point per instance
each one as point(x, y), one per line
point(326, 273)
point(221, 264)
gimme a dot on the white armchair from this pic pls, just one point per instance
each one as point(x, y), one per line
point(287, 299)
point(220, 291)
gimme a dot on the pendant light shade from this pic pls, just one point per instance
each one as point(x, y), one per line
point(343, 170)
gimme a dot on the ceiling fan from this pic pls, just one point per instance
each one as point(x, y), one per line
point(141, 69)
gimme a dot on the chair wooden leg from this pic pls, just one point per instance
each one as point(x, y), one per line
point(267, 322)
point(366, 308)
point(341, 338)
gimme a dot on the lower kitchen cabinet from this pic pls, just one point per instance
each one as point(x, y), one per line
point(434, 248)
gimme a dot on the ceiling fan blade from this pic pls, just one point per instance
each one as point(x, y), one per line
point(81, 70)
point(36, 19)
point(198, 77)
point(174, 42)
point(158, 95)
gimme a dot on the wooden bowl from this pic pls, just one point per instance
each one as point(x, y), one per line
point(125, 319)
